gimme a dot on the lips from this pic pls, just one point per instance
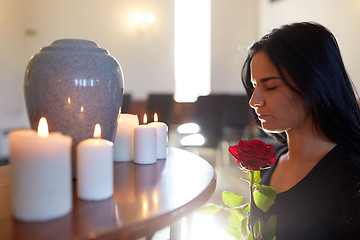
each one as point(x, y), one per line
point(262, 117)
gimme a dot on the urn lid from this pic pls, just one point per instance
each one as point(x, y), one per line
point(74, 45)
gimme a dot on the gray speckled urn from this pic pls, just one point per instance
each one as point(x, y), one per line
point(74, 84)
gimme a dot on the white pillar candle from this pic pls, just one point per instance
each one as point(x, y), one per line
point(145, 143)
point(161, 137)
point(95, 176)
point(124, 138)
point(41, 174)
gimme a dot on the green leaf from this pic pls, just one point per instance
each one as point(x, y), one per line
point(247, 208)
point(233, 232)
point(209, 209)
point(249, 237)
point(259, 186)
point(235, 218)
point(259, 228)
point(270, 226)
point(255, 176)
point(244, 226)
point(264, 198)
point(232, 199)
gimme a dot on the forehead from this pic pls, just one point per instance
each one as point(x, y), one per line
point(262, 67)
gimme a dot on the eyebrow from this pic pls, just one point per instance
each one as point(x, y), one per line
point(263, 80)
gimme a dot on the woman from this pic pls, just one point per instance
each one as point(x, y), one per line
point(301, 93)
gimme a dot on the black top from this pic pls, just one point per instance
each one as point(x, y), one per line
point(325, 204)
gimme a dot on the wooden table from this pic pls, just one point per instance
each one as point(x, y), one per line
point(146, 198)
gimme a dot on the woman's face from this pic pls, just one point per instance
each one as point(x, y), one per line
point(278, 107)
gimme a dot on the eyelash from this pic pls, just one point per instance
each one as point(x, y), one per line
point(266, 88)
point(270, 88)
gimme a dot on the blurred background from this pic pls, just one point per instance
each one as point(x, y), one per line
point(180, 58)
point(146, 50)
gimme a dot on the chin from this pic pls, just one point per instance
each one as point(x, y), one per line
point(271, 129)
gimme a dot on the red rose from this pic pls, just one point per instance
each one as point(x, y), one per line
point(253, 154)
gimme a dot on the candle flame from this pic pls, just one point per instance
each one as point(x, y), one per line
point(82, 109)
point(145, 119)
point(69, 100)
point(43, 128)
point(156, 117)
point(97, 131)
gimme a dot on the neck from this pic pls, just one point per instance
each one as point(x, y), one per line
point(307, 144)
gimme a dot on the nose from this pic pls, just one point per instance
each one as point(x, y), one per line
point(256, 99)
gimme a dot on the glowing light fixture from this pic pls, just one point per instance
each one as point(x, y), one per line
point(150, 18)
point(188, 128)
point(138, 18)
point(193, 140)
point(147, 18)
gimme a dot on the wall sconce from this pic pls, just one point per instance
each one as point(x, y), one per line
point(147, 18)
point(150, 18)
point(142, 21)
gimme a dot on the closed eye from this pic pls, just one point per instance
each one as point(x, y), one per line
point(270, 88)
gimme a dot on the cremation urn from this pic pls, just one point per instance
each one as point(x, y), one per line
point(74, 84)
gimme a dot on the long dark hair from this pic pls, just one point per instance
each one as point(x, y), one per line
point(309, 53)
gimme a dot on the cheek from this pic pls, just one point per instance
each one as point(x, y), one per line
point(298, 107)
point(288, 110)
point(289, 106)
point(282, 104)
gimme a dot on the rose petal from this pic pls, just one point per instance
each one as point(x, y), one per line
point(232, 150)
point(253, 154)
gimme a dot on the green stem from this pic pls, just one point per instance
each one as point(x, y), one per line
point(251, 201)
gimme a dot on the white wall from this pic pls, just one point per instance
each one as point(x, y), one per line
point(341, 17)
point(234, 28)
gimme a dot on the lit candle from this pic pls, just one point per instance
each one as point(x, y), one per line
point(161, 137)
point(95, 176)
point(41, 173)
point(145, 143)
point(124, 138)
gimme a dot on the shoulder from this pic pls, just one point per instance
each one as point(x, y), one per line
point(344, 166)
point(349, 160)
